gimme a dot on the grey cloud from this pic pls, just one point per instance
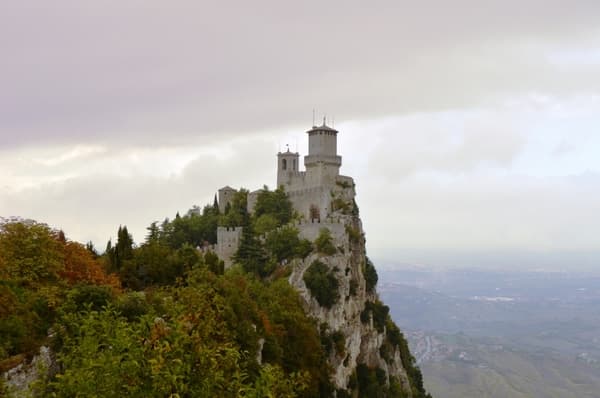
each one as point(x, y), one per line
point(127, 73)
point(429, 96)
point(474, 213)
point(90, 206)
point(428, 143)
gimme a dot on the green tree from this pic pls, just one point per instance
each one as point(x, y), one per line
point(153, 233)
point(283, 243)
point(252, 256)
point(322, 283)
point(265, 223)
point(214, 264)
point(236, 214)
point(275, 203)
point(117, 255)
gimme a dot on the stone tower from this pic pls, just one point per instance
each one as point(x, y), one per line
point(225, 196)
point(322, 149)
point(287, 166)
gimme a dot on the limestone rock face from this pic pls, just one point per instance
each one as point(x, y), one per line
point(362, 340)
point(19, 380)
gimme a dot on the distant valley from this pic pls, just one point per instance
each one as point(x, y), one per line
point(500, 334)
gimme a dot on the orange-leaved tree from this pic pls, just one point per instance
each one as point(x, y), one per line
point(80, 266)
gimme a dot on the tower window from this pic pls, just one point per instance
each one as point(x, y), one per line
point(284, 164)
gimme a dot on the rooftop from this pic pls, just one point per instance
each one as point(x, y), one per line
point(323, 127)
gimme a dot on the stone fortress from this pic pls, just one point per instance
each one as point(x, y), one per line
point(313, 192)
point(325, 199)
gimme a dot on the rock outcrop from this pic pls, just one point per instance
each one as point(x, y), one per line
point(350, 316)
point(20, 380)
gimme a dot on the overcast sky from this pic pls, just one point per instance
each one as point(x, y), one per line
point(470, 127)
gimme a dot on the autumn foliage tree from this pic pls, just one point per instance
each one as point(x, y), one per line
point(30, 252)
point(80, 266)
point(38, 266)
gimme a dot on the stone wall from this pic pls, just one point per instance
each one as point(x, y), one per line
point(310, 230)
point(228, 241)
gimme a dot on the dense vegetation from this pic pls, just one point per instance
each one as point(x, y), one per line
point(322, 284)
point(37, 266)
point(163, 318)
point(192, 330)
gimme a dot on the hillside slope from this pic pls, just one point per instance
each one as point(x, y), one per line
point(297, 316)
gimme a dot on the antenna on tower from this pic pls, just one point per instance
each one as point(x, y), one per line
point(313, 117)
point(325, 120)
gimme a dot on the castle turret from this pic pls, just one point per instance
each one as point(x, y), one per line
point(322, 149)
point(225, 197)
point(288, 163)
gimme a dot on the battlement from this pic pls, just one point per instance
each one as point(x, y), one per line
point(327, 221)
point(229, 229)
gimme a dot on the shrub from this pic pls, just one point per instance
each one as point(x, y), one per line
point(343, 184)
point(339, 342)
point(371, 381)
point(380, 314)
point(304, 248)
point(322, 283)
point(370, 276)
point(335, 340)
point(324, 242)
point(342, 205)
point(353, 234)
point(133, 305)
point(214, 264)
point(83, 296)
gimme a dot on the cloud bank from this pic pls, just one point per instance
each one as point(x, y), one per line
point(468, 125)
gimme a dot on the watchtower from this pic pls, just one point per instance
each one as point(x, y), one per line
point(225, 197)
point(287, 164)
point(322, 148)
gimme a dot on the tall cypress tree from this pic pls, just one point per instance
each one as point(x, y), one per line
point(251, 255)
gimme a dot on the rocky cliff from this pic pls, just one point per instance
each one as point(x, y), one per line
point(365, 338)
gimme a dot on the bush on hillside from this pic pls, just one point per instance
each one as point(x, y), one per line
point(322, 283)
point(324, 242)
